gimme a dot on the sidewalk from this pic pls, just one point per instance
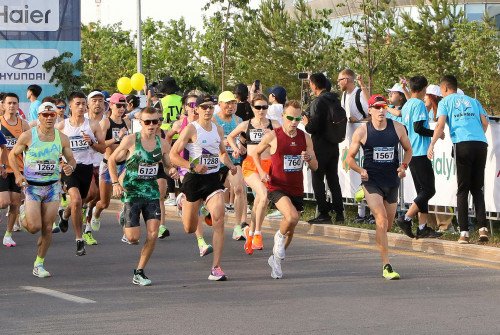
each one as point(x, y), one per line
point(430, 246)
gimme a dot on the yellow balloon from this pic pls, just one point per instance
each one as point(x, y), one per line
point(124, 85)
point(138, 80)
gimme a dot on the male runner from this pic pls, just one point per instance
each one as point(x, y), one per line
point(381, 170)
point(204, 141)
point(142, 153)
point(289, 148)
point(85, 137)
point(12, 127)
point(43, 146)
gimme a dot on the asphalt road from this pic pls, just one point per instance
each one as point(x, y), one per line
point(329, 287)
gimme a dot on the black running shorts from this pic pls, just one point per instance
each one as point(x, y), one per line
point(150, 211)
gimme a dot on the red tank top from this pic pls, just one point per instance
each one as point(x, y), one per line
point(286, 163)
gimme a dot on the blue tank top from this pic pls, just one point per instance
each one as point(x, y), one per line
point(381, 155)
point(228, 127)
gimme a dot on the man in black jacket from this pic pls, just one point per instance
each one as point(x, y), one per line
point(326, 152)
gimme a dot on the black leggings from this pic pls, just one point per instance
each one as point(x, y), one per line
point(470, 158)
point(423, 179)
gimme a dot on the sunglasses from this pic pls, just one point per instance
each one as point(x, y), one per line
point(48, 114)
point(379, 106)
point(121, 105)
point(205, 107)
point(148, 122)
point(191, 104)
point(261, 107)
point(292, 118)
point(61, 107)
point(338, 81)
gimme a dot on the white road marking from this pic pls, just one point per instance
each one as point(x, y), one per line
point(57, 294)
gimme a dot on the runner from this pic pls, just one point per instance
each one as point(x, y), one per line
point(43, 146)
point(189, 106)
point(115, 129)
point(85, 137)
point(204, 141)
point(10, 193)
point(228, 121)
point(289, 148)
point(255, 129)
point(381, 170)
point(142, 153)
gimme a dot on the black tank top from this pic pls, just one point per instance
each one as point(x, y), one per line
point(254, 135)
point(114, 129)
point(381, 155)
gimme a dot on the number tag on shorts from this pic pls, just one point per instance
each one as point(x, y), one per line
point(147, 171)
point(383, 154)
point(256, 135)
point(45, 168)
point(77, 143)
point(292, 163)
point(210, 161)
point(11, 142)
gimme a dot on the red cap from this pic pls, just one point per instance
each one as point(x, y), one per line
point(376, 99)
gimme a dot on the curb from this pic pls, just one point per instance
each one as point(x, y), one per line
point(430, 246)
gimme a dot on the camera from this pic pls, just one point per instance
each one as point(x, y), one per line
point(303, 75)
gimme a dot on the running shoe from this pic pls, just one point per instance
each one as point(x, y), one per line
point(371, 219)
point(63, 223)
point(55, 228)
point(229, 208)
point(64, 200)
point(80, 248)
point(125, 240)
point(89, 239)
point(208, 219)
point(20, 218)
point(95, 223)
point(248, 242)
point(405, 226)
point(178, 202)
point(463, 239)
point(163, 232)
point(238, 233)
point(40, 272)
point(204, 210)
point(483, 235)
point(217, 274)
point(205, 249)
point(121, 216)
point(257, 242)
point(275, 215)
point(85, 209)
point(249, 210)
point(140, 279)
point(275, 264)
point(279, 245)
point(321, 219)
point(427, 232)
point(389, 273)
point(8, 241)
point(170, 202)
point(359, 219)
point(17, 226)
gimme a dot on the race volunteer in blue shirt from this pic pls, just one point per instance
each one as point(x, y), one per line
point(468, 123)
point(415, 118)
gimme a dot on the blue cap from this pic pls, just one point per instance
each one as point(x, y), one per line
point(279, 93)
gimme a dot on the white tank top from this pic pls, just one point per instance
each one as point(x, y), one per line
point(82, 152)
point(206, 148)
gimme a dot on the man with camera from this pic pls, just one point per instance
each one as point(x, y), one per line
point(325, 136)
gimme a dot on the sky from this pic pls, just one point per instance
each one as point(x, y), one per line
point(112, 11)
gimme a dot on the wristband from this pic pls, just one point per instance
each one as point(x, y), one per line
point(115, 183)
point(72, 168)
point(405, 165)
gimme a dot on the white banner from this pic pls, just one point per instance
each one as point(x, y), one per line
point(24, 66)
point(29, 15)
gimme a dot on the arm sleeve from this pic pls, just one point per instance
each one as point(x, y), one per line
point(419, 128)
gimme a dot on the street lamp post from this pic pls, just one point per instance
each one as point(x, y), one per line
point(139, 38)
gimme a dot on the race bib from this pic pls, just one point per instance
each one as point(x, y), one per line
point(292, 163)
point(256, 135)
point(11, 142)
point(77, 143)
point(210, 161)
point(115, 132)
point(147, 171)
point(45, 168)
point(383, 154)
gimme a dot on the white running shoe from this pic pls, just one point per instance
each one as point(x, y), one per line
point(178, 201)
point(39, 271)
point(274, 215)
point(8, 241)
point(170, 202)
point(275, 264)
point(125, 240)
point(279, 245)
point(95, 223)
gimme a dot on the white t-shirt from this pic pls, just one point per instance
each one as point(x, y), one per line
point(274, 113)
point(348, 102)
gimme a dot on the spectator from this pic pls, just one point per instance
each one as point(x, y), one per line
point(397, 99)
point(243, 109)
point(327, 153)
point(32, 95)
point(2, 110)
point(171, 103)
point(277, 98)
point(352, 101)
point(133, 103)
point(432, 98)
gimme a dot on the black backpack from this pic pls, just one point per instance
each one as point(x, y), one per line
point(337, 121)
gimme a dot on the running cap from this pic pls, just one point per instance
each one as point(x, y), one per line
point(396, 88)
point(434, 90)
point(46, 107)
point(279, 93)
point(226, 96)
point(376, 99)
point(94, 93)
point(204, 98)
point(117, 98)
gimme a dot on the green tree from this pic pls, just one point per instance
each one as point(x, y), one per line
point(67, 74)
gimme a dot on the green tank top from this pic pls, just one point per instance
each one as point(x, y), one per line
point(140, 181)
point(172, 106)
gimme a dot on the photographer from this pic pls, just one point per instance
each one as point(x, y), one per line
point(316, 123)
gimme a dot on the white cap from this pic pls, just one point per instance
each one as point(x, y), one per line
point(47, 106)
point(93, 94)
point(434, 90)
point(396, 88)
point(459, 91)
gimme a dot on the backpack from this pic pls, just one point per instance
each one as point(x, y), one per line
point(337, 121)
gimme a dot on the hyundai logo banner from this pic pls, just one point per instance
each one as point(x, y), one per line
point(19, 66)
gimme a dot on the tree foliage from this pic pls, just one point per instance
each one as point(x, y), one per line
point(67, 74)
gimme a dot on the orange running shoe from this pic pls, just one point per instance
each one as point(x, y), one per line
point(248, 242)
point(208, 219)
point(257, 242)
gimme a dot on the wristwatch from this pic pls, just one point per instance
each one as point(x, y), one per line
point(191, 167)
point(3, 165)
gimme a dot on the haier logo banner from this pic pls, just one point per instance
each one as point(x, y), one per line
point(22, 66)
point(29, 15)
